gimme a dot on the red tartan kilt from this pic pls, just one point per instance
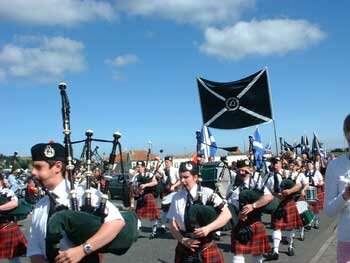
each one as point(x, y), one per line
point(148, 208)
point(12, 241)
point(291, 221)
point(211, 254)
point(257, 246)
point(320, 197)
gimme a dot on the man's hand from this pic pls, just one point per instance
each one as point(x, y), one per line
point(286, 192)
point(192, 244)
point(247, 209)
point(201, 232)
point(72, 255)
point(242, 216)
point(142, 186)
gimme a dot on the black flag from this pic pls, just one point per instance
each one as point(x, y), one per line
point(236, 104)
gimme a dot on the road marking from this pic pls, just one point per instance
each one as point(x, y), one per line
point(320, 253)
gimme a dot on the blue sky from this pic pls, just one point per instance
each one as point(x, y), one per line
point(131, 66)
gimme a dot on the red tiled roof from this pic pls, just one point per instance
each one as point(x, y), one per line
point(136, 155)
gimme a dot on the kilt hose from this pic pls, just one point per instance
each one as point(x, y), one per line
point(291, 220)
point(12, 241)
point(147, 207)
point(317, 206)
point(209, 252)
point(259, 244)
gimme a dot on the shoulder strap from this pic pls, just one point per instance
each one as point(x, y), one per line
point(276, 187)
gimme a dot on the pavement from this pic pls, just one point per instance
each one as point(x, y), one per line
point(319, 245)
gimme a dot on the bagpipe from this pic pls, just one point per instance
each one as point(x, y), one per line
point(19, 213)
point(205, 214)
point(80, 223)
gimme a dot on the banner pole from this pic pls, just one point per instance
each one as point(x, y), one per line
point(273, 119)
point(274, 129)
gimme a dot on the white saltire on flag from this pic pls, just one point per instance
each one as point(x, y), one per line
point(317, 147)
point(258, 148)
point(208, 144)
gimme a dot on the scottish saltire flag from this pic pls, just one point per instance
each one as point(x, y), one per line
point(268, 147)
point(307, 144)
point(258, 149)
point(287, 146)
point(208, 144)
point(304, 144)
point(317, 146)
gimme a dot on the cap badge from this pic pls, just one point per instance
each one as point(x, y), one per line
point(189, 166)
point(49, 152)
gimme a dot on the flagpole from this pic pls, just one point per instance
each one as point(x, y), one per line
point(273, 119)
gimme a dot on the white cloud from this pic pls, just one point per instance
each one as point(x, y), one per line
point(264, 38)
point(55, 12)
point(49, 59)
point(123, 60)
point(198, 12)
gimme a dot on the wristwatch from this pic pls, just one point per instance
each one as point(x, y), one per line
point(87, 248)
point(254, 205)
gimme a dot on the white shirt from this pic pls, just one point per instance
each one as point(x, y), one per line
point(259, 179)
point(8, 193)
point(37, 233)
point(173, 174)
point(337, 177)
point(317, 177)
point(234, 197)
point(178, 205)
point(269, 180)
point(299, 177)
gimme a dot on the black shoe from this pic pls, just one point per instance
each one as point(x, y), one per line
point(272, 256)
point(291, 251)
point(153, 236)
point(308, 227)
point(316, 226)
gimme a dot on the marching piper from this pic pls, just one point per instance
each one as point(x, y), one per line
point(287, 216)
point(195, 242)
point(49, 169)
point(297, 175)
point(146, 206)
point(171, 182)
point(249, 216)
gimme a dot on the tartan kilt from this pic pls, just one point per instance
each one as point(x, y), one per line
point(292, 219)
point(257, 246)
point(210, 253)
point(147, 208)
point(320, 197)
point(12, 241)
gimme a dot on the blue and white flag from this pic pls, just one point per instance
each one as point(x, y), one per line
point(268, 147)
point(258, 149)
point(317, 147)
point(208, 144)
point(304, 144)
